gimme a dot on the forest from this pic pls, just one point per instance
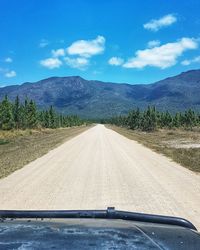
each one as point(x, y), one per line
point(23, 115)
point(26, 115)
point(151, 119)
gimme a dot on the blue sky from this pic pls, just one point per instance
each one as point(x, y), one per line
point(109, 40)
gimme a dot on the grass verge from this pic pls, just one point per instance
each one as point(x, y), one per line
point(160, 141)
point(19, 147)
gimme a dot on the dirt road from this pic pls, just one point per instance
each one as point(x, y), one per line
point(100, 168)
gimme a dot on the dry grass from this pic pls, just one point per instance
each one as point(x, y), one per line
point(20, 147)
point(168, 142)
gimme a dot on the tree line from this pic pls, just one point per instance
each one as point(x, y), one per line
point(152, 119)
point(23, 115)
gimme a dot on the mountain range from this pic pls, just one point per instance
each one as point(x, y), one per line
point(96, 99)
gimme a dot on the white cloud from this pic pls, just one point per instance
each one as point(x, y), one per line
point(115, 61)
point(79, 62)
point(188, 62)
point(10, 74)
point(58, 52)
point(79, 53)
point(87, 48)
point(153, 43)
point(43, 43)
point(156, 24)
point(8, 60)
point(163, 56)
point(51, 63)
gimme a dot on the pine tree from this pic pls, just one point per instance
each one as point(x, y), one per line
point(22, 117)
point(190, 119)
point(16, 112)
point(167, 120)
point(47, 122)
point(25, 113)
point(31, 114)
point(52, 117)
point(61, 121)
point(133, 119)
point(177, 120)
point(41, 118)
point(6, 115)
point(149, 120)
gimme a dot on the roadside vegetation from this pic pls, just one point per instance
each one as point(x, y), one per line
point(19, 147)
point(26, 115)
point(27, 133)
point(151, 119)
point(174, 135)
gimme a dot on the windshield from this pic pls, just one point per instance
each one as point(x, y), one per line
point(100, 106)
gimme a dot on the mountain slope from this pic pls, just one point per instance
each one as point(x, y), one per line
point(99, 99)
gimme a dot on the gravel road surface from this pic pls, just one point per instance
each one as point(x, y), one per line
point(101, 168)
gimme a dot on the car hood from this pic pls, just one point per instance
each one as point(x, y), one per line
point(82, 233)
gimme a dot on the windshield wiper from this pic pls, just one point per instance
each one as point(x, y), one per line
point(110, 213)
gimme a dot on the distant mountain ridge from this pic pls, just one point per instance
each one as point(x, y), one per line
point(92, 99)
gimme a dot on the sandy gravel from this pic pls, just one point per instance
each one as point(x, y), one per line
point(182, 143)
point(100, 168)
